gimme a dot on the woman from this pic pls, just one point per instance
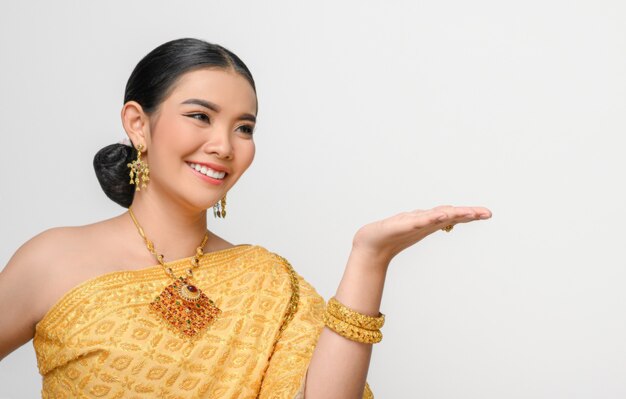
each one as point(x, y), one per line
point(152, 304)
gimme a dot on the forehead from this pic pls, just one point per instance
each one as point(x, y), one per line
point(226, 88)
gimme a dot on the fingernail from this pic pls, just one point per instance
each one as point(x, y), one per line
point(484, 216)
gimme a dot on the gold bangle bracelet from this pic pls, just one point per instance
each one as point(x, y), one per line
point(351, 332)
point(353, 317)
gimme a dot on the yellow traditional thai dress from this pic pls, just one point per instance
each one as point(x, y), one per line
point(101, 341)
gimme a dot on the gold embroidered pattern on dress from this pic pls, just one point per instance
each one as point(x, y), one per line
point(101, 340)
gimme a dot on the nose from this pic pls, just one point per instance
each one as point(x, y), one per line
point(219, 144)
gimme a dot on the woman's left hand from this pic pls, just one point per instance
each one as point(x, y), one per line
point(380, 241)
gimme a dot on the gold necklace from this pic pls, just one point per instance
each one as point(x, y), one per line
point(181, 304)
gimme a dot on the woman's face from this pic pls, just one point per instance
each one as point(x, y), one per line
point(207, 120)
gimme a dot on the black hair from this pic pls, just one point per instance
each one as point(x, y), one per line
point(149, 84)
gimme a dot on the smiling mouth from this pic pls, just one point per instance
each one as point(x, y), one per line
point(207, 171)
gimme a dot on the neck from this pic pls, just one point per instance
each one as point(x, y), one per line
point(174, 230)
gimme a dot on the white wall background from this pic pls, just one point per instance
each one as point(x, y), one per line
point(368, 109)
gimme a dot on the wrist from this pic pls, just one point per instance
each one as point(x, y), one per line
point(369, 259)
point(362, 284)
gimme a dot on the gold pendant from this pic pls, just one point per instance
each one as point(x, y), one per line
point(185, 308)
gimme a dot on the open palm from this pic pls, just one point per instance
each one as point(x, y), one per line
point(385, 238)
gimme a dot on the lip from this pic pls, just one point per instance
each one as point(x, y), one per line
point(206, 178)
point(213, 166)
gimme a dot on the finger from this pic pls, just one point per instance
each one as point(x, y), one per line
point(453, 212)
point(478, 211)
point(458, 215)
point(451, 221)
point(427, 218)
point(444, 215)
point(483, 212)
point(456, 212)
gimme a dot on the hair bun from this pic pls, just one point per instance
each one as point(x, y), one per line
point(113, 175)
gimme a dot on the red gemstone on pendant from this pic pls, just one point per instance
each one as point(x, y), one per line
point(192, 288)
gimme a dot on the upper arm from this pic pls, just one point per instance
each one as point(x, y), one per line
point(22, 281)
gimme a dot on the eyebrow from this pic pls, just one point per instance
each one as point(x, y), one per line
point(216, 108)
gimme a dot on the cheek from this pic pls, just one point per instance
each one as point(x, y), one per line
point(169, 147)
point(252, 151)
point(177, 138)
point(244, 154)
point(249, 152)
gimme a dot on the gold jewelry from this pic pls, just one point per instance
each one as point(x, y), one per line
point(183, 305)
point(448, 228)
point(139, 167)
point(351, 324)
point(351, 332)
point(350, 316)
point(219, 209)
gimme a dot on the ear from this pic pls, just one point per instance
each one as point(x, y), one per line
point(136, 123)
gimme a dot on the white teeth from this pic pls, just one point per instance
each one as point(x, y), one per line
point(208, 171)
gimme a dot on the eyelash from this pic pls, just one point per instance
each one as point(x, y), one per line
point(249, 130)
point(194, 115)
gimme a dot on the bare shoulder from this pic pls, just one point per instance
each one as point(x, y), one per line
point(32, 259)
point(25, 282)
point(35, 262)
point(40, 252)
point(46, 266)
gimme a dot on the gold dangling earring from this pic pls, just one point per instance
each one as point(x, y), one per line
point(139, 167)
point(219, 209)
point(223, 206)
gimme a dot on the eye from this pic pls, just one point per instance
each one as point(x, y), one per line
point(200, 117)
point(247, 129)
